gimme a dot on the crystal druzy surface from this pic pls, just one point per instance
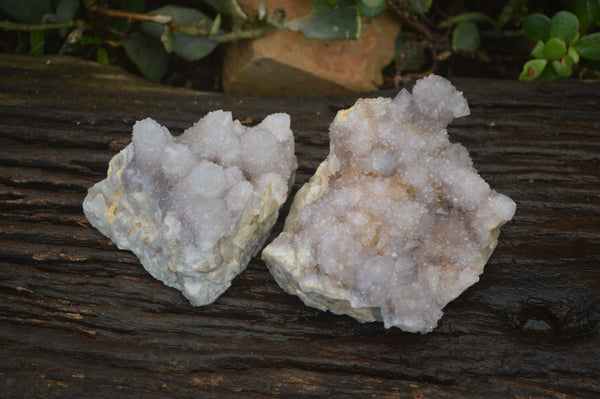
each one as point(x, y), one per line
point(396, 222)
point(195, 208)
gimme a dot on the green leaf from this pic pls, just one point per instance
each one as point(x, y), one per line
point(573, 54)
point(36, 42)
point(538, 50)
point(587, 11)
point(536, 27)
point(548, 73)
point(27, 11)
point(193, 48)
point(216, 26)
point(466, 37)
point(133, 5)
point(564, 25)
point(410, 52)
point(168, 39)
point(418, 6)
point(564, 67)
point(513, 10)
point(122, 25)
point(588, 47)
point(467, 16)
point(87, 40)
point(371, 8)
point(371, 3)
point(324, 22)
point(66, 11)
point(555, 49)
point(532, 69)
point(148, 55)
point(102, 56)
point(575, 39)
point(189, 47)
point(229, 7)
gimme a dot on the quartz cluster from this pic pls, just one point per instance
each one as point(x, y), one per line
point(396, 222)
point(195, 208)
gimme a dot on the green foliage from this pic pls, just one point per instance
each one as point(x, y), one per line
point(466, 37)
point(182, 31)
point(410, 52)
point(555, 49)
point(190, 47)
point(513, 10)
point(536, 27)
point(229, 7)
point(561, 41)
point(563, 67)
point(533, 69)
point(565, 43)
point(371, 8)
point(589, 47)
point(36, 42)
point(27, 11)
point(148, 55)
point(539, 51)
point(573, 54)
point(564, 25)
point(417, 6)
point(66, 10)
point(467, 17)
point(562, 45)
point(102, 56)
point(334, 19)
point(133, 5)
point(587, 12)
point(465, 32)
point(339, 22)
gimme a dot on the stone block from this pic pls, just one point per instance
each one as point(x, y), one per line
point(287, 63)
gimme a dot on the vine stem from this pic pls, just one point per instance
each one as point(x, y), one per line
point(134, 16)
point(244, 34)
point(164, 19)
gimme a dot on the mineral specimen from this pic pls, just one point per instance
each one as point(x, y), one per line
point(396, 222)
point(197, 207)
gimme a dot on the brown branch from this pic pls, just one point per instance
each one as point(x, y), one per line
point(439, 44)
point(193, 30)
point(412, 20)
point(133, 16)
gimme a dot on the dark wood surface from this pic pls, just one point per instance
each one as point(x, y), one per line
point(80, 318)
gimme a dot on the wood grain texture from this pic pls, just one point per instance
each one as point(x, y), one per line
point(80, 318)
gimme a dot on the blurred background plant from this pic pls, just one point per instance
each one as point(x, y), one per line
point(453, 37)
point(563, 42)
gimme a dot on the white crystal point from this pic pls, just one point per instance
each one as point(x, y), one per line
point(196, 208)
point(396, 222)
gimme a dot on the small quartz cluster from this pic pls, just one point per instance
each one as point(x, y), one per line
point(196, 208)
point(396, 222)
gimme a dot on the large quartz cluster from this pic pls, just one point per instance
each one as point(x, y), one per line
point(197, 207)
point(396, 222)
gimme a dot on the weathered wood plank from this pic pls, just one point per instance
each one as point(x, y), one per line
point(79, 318)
